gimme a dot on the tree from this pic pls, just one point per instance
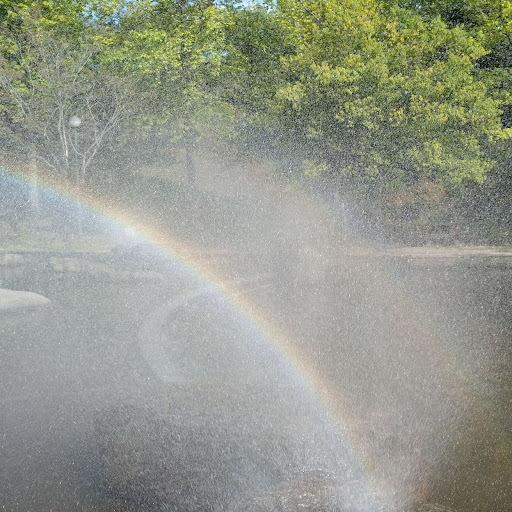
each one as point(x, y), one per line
point(51, 69)
point(490, 22)
point(175, 49)
point(386, 98)
point(257, 43)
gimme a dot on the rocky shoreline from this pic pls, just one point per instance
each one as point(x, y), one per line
point(112, 263)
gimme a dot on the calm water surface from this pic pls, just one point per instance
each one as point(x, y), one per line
point(420, 353)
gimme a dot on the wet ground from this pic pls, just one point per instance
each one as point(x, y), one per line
point(418, 356)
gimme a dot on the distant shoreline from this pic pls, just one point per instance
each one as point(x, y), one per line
point(436, 251)
point(401, 251)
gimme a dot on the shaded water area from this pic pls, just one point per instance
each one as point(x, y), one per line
point(415, 354)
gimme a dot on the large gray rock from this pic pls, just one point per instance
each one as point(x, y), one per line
point(200, 448)
point(321, 495)
point(11, 300)
point(313, 494)
point(432, 507)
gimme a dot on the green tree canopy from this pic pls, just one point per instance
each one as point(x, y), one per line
point(385, 95)
point(51, 69)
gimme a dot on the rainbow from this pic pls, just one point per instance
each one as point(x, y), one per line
point(205, 277)
point(337, 408)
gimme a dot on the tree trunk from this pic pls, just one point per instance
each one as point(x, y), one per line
point(34, 194)
point(190, 164)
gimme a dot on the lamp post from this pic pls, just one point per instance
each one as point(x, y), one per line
point(74, 123)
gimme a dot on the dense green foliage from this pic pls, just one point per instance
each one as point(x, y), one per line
point(404, 104)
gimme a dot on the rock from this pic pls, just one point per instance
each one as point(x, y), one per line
point(321, 495)
point(432, 507)
point(315, 494)
point(11, 300)
point(200, 447)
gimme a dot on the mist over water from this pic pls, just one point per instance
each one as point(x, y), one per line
point(377, 381)
point(241, 256)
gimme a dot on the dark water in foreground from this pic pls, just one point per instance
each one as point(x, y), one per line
point(422, 353)
point(470, 307)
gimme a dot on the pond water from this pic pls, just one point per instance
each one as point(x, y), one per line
point(418, 355)
point(470, 306)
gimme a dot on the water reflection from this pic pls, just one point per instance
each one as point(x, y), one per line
point(415, 354)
